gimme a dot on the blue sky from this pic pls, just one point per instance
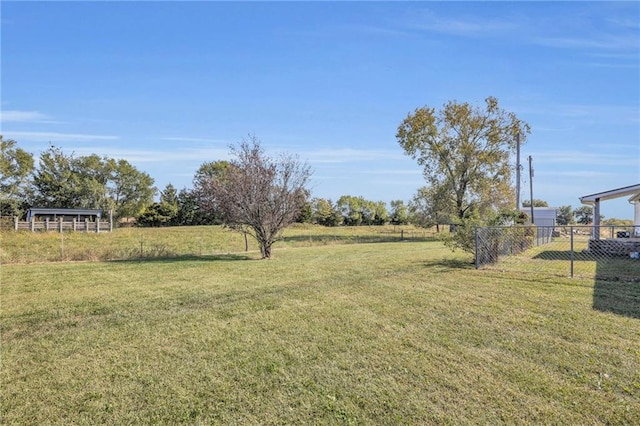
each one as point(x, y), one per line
point(170, 85)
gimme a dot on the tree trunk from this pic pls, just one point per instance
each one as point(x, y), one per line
point(265, 248)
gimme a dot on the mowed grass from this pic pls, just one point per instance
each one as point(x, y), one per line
point(136, 243)
point(555, 259)
point(384, 333)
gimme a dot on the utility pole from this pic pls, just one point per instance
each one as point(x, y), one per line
point(518, 172)
point(531, 185)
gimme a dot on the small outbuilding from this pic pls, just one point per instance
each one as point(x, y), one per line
point(65, 219)
point(66, 215)
point(542, 216)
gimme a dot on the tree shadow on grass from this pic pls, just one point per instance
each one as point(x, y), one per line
point(187, 258)
point(351, 239)
point(447, 265)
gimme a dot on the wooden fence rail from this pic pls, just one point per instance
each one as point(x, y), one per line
point(61, 225)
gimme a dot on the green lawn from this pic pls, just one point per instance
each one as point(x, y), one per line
point(136, 243)
point(380, 333)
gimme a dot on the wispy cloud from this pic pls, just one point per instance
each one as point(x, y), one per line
point(14, 116)
point(380, 30)
point(395, 172)
point(591, 113)
point(631, 56)
point(428, 20)
point(425, 20)
point(583, 174)
point(584, 158)
point(187, 139)
point(586, 31)
point(620, 65)
point(154, 155)
point(629, 148)
point(344, 155)
point(333, 31)
point(592, 41)
point(58, 137)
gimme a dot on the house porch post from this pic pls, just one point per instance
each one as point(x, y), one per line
point(596, 220)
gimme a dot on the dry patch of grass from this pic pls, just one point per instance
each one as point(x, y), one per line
point(382, 333)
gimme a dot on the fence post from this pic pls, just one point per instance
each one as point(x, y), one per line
point(571, 255)
point(475, 236)
point(15, 222)
point(33, 224)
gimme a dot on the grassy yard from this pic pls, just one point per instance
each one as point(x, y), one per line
point(380, 333)
point(136, 243)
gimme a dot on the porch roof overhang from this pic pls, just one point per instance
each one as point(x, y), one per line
point(633, 191)
point(595, 199)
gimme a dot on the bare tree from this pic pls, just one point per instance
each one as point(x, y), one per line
point(259, 195)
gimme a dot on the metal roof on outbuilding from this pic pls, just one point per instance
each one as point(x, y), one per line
point(63, 212)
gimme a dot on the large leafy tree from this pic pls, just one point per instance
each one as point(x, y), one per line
point(16, 166)
point(399, 213)
point(163, 213)
point(209, 170)
point(431, 206)
point(380, 213)
point(356, 210)
point(259, 195)
point(584, 215)
point(536, 203)
point(92, 174)
point(360, 211)
point(130, 190)
point(187, 208)
point(465, 152)
point(56, 182)
point(65, 181)
point(306, 212)
point(564, 216)
point(208, 174)
point(325, 213)
point(353, 209)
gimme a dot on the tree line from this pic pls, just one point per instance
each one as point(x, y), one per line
point(64, 180)
point(464, 152)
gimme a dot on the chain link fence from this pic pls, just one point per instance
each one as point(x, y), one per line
point(604, 252)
